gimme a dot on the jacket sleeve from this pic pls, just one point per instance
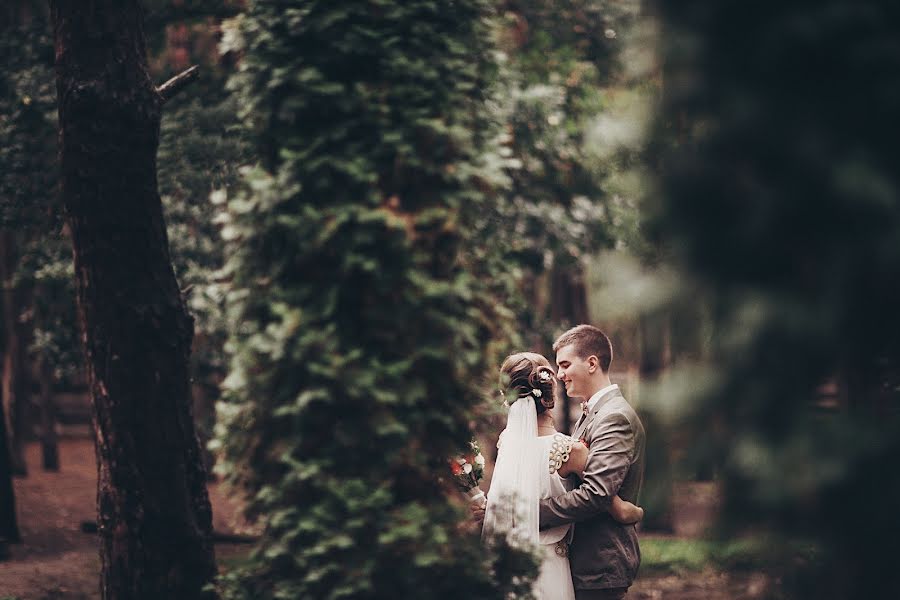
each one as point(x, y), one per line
point(611, 451)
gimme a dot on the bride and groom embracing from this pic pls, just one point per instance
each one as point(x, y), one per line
point(570, 497)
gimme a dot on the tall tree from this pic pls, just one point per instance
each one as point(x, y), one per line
point(9, 526)
point(16, 376)
point(784, 197)
point(153, 510)
point(360, 336)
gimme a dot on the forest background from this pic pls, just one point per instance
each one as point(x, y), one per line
point(367, 208)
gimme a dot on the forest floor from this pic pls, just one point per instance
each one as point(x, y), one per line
point(57, 561)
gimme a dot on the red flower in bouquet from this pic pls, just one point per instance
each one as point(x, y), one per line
point(468, 471)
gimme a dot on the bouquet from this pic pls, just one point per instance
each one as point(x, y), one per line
point(468, 471)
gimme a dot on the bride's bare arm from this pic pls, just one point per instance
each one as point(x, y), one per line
point(621, 510)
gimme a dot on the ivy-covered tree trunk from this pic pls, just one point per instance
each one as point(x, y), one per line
point(360, 339)
point(153, 509)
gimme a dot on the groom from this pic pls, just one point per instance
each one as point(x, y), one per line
point(604, 554)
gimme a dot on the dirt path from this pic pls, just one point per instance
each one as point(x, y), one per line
point(57, 561)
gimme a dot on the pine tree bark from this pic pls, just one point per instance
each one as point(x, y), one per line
point(15, 388)
point(49, 445)
point(154, 514)
point(9, 528)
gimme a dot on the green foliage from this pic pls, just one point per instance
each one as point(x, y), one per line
point(560, 209)
point(682, 556)
point(29, 204)
point(27, 123)
point(781, 193)
point(358, 339)
point(201, 146)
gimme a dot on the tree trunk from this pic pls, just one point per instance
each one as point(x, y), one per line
point(655, 357)
point(49, 447)
point(568, 305)
point(15, 384)
point(205, 418)
point(9, 529)
point(154, 514)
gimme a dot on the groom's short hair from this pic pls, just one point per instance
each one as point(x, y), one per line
point(587, 340)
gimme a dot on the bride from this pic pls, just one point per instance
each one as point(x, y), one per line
point(532, 463)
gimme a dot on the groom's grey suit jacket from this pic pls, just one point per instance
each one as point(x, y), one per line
point(603, 553)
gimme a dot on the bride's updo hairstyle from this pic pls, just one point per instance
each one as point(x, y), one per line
point(528, 375)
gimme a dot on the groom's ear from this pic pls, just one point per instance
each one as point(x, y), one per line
point(593, 364)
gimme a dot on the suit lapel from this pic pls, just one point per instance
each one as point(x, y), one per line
point(582, 424)
point(576, 431)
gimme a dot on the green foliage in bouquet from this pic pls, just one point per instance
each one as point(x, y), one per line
point(782, 193)
point(358, 299)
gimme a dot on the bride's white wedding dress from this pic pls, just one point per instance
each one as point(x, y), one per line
point(555, 579)
point(524, 474)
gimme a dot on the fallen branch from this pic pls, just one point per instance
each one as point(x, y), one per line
point(217, 537)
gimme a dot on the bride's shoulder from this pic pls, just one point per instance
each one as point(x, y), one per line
point(560, 449)
point(567, 455)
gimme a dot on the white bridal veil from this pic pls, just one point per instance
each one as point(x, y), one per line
point(512, 508)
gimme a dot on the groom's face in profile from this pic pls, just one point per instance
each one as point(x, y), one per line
point(574, 372)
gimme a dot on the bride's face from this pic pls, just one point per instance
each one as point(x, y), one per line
point(573, 372)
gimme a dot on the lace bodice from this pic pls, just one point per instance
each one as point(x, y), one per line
point(558, 447)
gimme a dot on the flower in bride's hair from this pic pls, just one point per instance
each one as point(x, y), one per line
point(536, 392)
point(467, 468)
point(479, 460)
point(544, 376)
